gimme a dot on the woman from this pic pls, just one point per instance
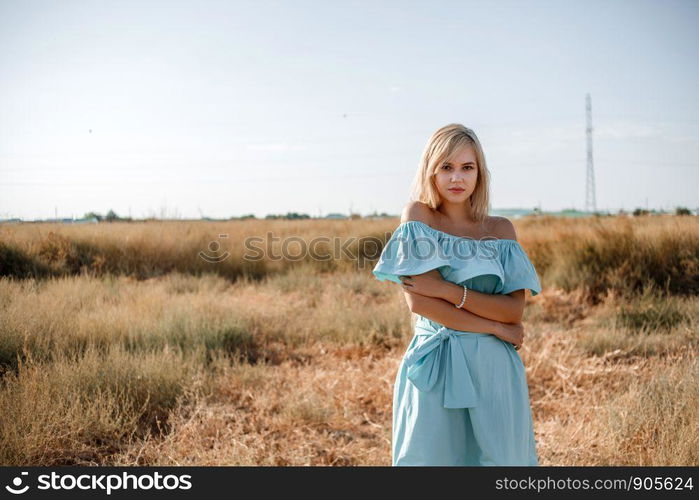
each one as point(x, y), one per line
point(460, 394)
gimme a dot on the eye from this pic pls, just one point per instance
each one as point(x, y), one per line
point(446, 166)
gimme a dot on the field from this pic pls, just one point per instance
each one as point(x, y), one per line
point(121, 345)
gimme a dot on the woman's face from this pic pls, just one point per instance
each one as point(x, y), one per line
point(460, 172)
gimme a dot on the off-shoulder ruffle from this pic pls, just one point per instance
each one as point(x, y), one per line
point(415, 248)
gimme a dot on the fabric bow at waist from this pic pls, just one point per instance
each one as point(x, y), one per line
point(423, 362)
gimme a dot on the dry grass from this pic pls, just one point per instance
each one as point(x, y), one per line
point(151, 360)
point(591, 255)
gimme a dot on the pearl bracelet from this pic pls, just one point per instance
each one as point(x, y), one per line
point(463, 299)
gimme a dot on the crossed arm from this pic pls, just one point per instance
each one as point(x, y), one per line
point(507, 308)
point(432, 296)
point(429, 293)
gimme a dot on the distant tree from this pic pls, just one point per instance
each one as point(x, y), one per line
point(682, 211)
point(288, 215)
point(296, 215)
point(111, 216)
point(92, 215)
point(640, 211)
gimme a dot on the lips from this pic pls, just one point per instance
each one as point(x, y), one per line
point(456, 190)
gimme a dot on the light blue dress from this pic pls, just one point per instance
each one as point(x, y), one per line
point(460, 398)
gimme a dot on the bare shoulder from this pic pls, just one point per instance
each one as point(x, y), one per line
point(417, 211)
point(502, 228)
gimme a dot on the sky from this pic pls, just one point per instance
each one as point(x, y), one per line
point(219, 109)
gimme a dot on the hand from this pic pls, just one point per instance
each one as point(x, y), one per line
point(512, 333)
point(429, 284)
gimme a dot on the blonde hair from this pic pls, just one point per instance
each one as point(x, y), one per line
point(440, 148)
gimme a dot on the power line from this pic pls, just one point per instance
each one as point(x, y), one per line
point(208, 181)
point(535, 163)
point(390, 173)
point(233, 162)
